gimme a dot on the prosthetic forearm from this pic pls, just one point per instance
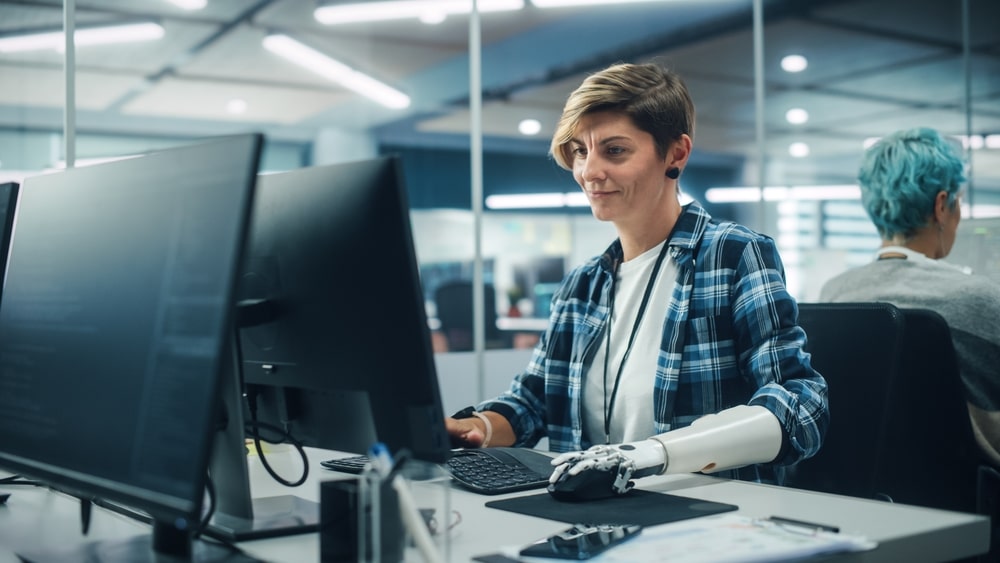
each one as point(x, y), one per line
point(735, 437)
point(742, 435)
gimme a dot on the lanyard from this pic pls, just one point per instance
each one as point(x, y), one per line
point(610, 405)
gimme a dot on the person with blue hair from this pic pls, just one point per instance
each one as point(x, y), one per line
point(911, 187)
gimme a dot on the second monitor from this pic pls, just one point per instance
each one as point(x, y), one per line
point(335, 344)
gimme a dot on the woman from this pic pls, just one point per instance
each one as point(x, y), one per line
point(676, 350)
point(911, 188)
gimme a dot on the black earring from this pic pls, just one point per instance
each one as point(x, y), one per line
point(673, 172)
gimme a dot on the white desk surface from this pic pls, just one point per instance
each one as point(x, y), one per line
point(36, 517)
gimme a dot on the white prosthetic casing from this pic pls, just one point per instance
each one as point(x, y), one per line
point(738, 436)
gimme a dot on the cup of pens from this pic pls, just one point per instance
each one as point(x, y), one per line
point(397, 509)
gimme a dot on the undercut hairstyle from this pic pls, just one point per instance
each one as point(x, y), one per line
point(902, 174)
point(653, 97)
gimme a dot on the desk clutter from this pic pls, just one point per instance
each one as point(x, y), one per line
point(719, 538)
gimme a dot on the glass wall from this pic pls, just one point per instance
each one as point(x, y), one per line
point(787, 106)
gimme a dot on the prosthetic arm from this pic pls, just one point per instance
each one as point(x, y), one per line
point(735, 437)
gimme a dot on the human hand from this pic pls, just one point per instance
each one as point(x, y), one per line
point(620, 462)
point(465, 432)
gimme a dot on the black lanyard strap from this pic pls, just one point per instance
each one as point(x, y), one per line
point(610, 405)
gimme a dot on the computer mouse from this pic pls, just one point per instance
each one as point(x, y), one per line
point(584, 486)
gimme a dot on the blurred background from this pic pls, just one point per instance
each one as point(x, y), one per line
point(788, 94)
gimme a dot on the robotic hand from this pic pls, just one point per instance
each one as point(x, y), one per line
point(735, 437)
point(610, 468)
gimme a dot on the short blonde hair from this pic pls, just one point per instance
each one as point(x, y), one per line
point(653, 97)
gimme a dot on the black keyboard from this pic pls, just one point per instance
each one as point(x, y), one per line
point(489, 471)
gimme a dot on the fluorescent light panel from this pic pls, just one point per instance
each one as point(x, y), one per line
point(406, 9)
point(189, 4)
point(335, 71)
point(741, 194)
point(533, 201)
point(547, 200)
point(572, 3)
point(54, 40)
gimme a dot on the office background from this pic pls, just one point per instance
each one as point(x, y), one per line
point(870, 67)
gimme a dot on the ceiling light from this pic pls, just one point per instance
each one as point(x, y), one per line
point(236, 106)
point(189, 4)
point(797, 116)
point(741, 194)
point(432, 18)
point(54, 40)
point(569, 3)
point(335, 71)
point(794, 63)
point(526, 201)
point(548, 200)
point(798, 150)
point(406, 9)
point(529, 127)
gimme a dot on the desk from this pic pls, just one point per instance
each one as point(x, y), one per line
point(36, 516)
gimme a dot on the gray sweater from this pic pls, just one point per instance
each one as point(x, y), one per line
point(970, 304)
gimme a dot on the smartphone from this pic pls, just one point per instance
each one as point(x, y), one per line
point(582, 541)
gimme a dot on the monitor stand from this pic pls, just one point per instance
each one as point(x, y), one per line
point(238, 516)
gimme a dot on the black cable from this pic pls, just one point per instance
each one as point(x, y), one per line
point(207, 517)
point(253, 429)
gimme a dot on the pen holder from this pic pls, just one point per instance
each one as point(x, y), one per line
point(361, 519)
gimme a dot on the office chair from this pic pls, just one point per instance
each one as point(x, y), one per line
point(930, 455)
point(856, 347)
point(453, 300)
point(899, 427)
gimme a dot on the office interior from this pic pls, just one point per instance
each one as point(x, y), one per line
point(788, 94)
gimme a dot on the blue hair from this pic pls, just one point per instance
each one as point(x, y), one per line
point(901, 176)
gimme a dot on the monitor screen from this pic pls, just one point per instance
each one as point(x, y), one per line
point(346, 356)
point(333, 344)
point(117, 304)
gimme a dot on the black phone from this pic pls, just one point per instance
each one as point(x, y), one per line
point(582, 541)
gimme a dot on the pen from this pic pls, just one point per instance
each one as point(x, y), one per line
point(803, 524)
point(414, 522)
point(381, 459)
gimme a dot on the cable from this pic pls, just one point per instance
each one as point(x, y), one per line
point(253, 428)
point(207, 517)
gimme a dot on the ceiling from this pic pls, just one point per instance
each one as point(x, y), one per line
point(874, 66)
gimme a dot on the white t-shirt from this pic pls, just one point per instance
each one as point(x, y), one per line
point(632, 415)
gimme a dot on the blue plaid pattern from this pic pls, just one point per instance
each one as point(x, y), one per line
point(730, 337)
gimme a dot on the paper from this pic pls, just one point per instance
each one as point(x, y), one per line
point(729, 538)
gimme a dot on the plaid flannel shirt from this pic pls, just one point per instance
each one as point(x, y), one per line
point(730, 337)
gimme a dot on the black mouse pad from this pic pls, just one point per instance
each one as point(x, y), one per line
point(637, 507)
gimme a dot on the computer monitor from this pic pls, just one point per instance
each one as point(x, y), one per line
point(335, 346)
point(8, 205)
point(116, 310)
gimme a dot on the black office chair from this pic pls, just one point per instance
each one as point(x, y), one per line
point(899, 428)
point(856, 347)
point(930, 456)
point(453, 300)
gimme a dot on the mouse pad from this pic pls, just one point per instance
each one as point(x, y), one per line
point(637, 507)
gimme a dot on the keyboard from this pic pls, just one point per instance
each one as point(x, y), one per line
point(488, 471)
